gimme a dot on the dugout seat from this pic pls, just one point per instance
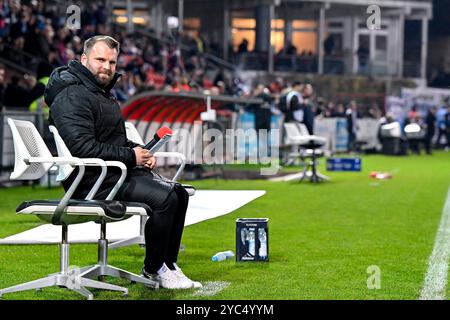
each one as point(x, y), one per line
point(32, 161)
point(307, 148)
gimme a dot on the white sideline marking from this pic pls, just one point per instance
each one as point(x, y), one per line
point(211, 288)
point(436, 278)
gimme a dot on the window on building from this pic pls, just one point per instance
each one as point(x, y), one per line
point(333, 44)
point(192, 25)
point(243, 28)
point(304, 36)
point(277, 34)
point(381, 52)
point(140, 17)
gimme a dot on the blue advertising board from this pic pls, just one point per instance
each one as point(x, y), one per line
point(344, 164)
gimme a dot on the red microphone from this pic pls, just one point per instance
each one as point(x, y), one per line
point(159, 139)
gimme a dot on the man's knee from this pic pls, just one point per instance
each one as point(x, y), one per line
point(182, 193)
point(172, 200)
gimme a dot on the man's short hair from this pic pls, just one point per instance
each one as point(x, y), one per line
point(296, 83)
point(110, 41)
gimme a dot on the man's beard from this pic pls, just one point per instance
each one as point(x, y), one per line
point(101, 81)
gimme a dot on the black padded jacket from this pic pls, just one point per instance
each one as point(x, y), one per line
point(89, 121)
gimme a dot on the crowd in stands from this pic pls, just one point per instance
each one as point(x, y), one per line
point(36, 38)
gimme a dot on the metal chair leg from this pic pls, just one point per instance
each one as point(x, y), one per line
point(108, 270)
point(102, 268)
point(72, 282)
point(139, 240)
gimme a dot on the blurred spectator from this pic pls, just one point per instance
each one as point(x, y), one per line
point(21, 27)
point(16, 95)
point(308, 108)
point(277, 86)
point(352, 126)
point(363, 58)
point(447, 127)
point(288, 49)
point(243, 46)
point(15, 53)
point(329, 109)
point(413, 114)
point(4, 18)
point(430, 122)
point(291, 103)
point(263, 116)
point(319, 108)
point(262, 111)
point(374, 111)
point(441, 123)
point(54, 58)
point(36, 94)
point(328, 45)
point(2, 84)
point(340, 111)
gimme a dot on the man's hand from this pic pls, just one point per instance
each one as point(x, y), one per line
point(30, 80)
point(142, 156)
point(150, 162)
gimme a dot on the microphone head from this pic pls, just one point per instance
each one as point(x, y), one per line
point(164, 131)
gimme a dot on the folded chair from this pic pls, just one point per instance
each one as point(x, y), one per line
point(306, 146)
point(133, 135)
point(32, 161)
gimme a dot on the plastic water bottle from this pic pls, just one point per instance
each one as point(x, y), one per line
point(223, 255)
point(251, 242)
point(262, 236)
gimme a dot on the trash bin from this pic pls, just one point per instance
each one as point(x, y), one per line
point(252, 239)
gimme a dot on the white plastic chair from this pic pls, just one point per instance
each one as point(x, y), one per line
point(306, 146)
point(32, 161)
point(102, 268)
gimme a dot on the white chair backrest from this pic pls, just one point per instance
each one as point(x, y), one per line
point(64, 171)
point(303, 129)
point(28, 143)
point(292, 132)
point(132, 133)
point(391, 130)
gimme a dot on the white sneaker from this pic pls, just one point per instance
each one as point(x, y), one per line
point(168, 279)
point(181, 275)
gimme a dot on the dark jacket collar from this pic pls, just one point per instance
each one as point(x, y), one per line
point(88, 79)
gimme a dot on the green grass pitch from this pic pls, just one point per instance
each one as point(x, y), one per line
point(322, 238)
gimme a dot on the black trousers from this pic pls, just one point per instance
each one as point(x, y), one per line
point(427, 143)
point(164, 229)
point(441, 132)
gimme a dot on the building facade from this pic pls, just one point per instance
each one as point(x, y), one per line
point(369, 37)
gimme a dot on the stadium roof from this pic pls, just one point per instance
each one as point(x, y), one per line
point(155, 105)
